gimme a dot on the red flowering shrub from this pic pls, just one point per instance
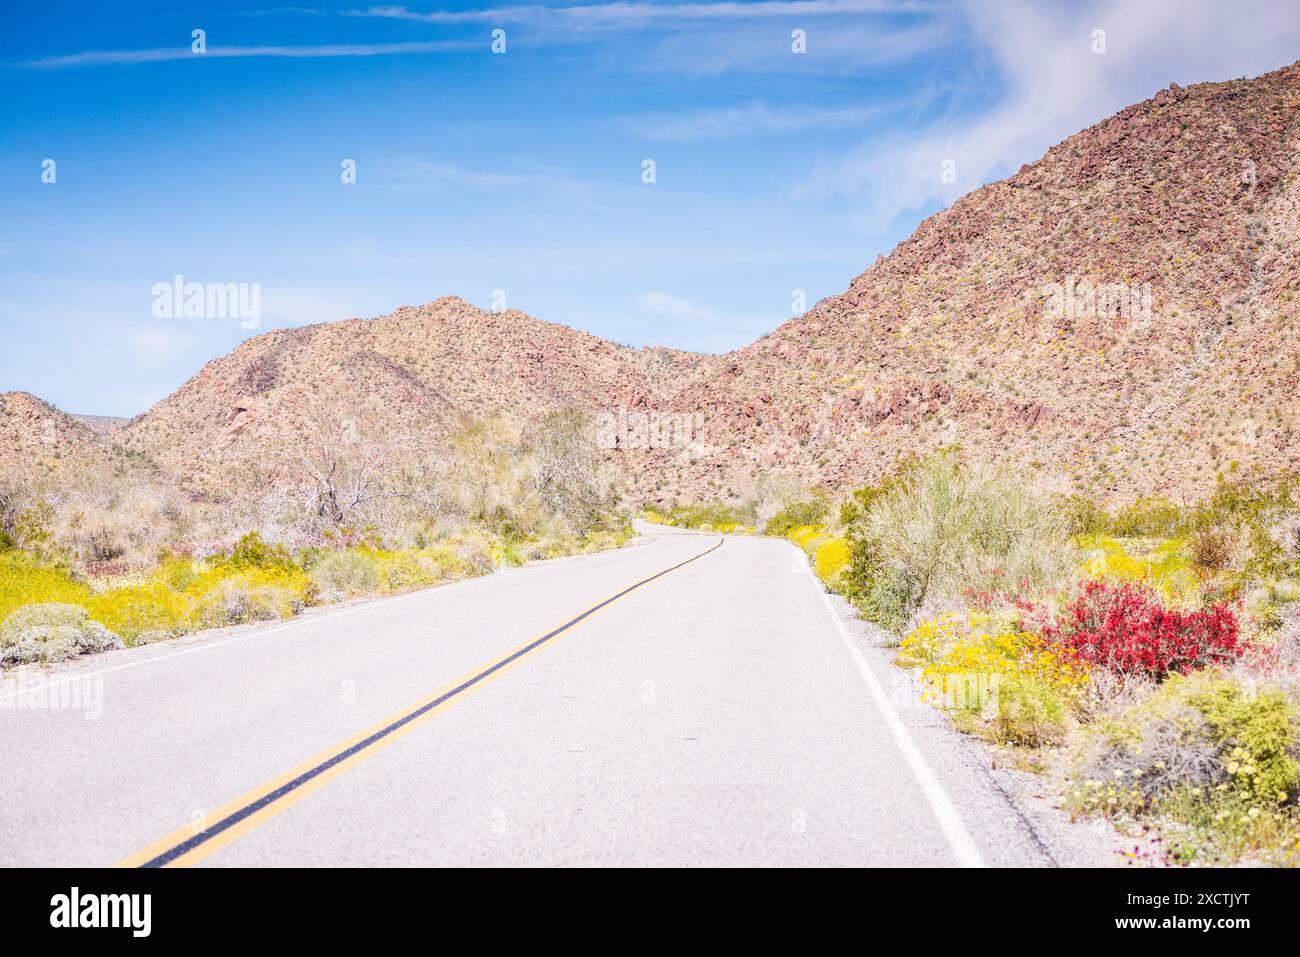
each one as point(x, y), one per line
point(1127, 630)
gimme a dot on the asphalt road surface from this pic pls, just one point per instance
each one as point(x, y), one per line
point(719, 710)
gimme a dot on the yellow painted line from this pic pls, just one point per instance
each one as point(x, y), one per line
point(191, 844)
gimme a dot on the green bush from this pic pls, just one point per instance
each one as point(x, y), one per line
point(715, 515)
point(1149, 517)
point(882, 594)
point(251, 551)
point(1029, 713)
point(1212, 757)
point(886, 596)
point(809, 512)
point(1208, 731)
point(1081, 515)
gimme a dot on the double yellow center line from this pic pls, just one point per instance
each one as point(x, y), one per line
point(191, 844)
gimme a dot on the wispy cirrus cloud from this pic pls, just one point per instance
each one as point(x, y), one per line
point(843, 35)
point(631, 13)
point(752, 119)
point(155, 346)
point(408, 173)
point(674, 307)
point(417, 174)
point(163, 54)
point(1050, 85)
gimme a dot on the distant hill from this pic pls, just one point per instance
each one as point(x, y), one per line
point(101, 424)
point(39, 440)
point(411, 375)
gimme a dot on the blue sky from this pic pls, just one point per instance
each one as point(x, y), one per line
point(522, 171)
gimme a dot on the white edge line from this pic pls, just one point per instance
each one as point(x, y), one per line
point(298, 622)
point(950, 822)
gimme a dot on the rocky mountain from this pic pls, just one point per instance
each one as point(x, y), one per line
point(38, 440)
point(1120, 315)
point(410, 376)
point(102, 424)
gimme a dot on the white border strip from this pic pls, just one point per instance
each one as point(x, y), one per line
point(950, 822)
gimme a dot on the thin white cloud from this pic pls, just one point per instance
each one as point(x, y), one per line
point(753, 119)
point(632, 14)
point(155, 346)
point(674, 307)
point(163, 54)
point(842, 35)
point(1054, 86)
point(285, 304)
point(413, 173)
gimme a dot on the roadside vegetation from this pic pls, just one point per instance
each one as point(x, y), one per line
point(1145, 656)
point(91, 562)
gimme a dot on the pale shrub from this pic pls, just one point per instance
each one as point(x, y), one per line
point(401, 571)
point(241, 598)
point(949, 527)
point(475, 555)
point(52, 632)
point(345, 574)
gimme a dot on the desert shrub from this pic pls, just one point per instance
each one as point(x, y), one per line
point(708, 516)
point(104, 545)
point(402, 571)
point(1263, 612)
point(251, 551)
point(881, 594)
point(809, 512)
point(345, 573)
point(1081, 515)
point(25, 513)
point(244, 597)
point(1209, 737)
point(1264, 516)
point(52, 631)
point(945, 527)
point(1211, 549)
point(889, 598)
point(1149, 517)
point(1127, 629)
point(568, 474)
point(474, 555)
point(1029, 712)
point(178, 574)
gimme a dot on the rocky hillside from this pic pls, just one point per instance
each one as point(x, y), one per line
point(38, 440)
point(1120, 315)
point(1016, 323)
point(104, 425)
point(410, 376)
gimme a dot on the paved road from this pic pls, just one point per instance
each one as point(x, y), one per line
point(724, 713)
